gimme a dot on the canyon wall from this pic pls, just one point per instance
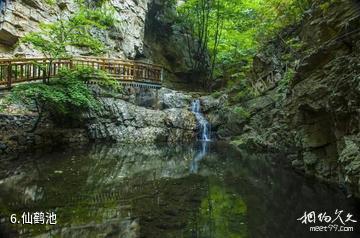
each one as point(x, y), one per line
point(309, 105)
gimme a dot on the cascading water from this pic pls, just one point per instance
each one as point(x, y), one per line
point(2, 5)
point(204, 136)
point(204, 126)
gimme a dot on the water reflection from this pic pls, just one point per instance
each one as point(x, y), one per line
point(161, 191)
point(202, 150)
point(221, 214)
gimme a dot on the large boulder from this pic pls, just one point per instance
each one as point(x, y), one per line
point(122, 121)
point(209, 103)
point(173, 99)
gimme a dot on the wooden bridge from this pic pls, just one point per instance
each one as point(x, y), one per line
point(126, 72)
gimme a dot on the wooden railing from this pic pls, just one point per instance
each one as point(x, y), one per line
point(13, 71)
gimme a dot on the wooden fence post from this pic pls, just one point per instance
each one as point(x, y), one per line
point(9, 75)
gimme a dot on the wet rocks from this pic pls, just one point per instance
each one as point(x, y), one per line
point(173, 99)
point(210, 103)
point(122, 121)
point(16, 136)
point(122, 117)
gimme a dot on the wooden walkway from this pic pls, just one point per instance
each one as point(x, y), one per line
point(132, 73)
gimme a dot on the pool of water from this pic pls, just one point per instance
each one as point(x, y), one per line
point(156, 191)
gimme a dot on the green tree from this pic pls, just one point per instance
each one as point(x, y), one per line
point(231, 31)
point(204, 20)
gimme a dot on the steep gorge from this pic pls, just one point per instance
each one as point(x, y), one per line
point(309, 94)
point(136, 165)
point(314, 117)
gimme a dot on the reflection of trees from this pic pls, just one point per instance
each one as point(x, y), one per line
point(221, 214)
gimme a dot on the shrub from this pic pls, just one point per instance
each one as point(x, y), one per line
point(285, 82)
point(64, 97)
point(217, 94)
point(241, 112)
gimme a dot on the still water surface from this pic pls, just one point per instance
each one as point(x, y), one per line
point(162, 191)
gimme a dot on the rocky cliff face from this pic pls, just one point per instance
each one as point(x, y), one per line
point(19, 17)
point(122, 121)
point(146, 30)
point(171, 45)
point(317, 116)
point(119, 119)
point(324, 101)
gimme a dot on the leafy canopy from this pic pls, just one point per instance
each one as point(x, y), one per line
point(235, 29)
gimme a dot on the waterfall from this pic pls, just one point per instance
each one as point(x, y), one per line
point(204, 126)
point(204, 136)
point(2, 5)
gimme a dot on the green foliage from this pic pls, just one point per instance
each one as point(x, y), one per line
point(84, 73)
point(241, 112)
point(4, 103)
point(240, 89)
point(295, 44)
point(65, 96)
point(285, 82)
point(237, 28)
point(217, 94)
point(326, 5)
point(50, 2)
point(54, 39)
point(244, 93)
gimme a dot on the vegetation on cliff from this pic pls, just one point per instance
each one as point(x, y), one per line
point(232, 31)
point(67, 94)
point(54, 40)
